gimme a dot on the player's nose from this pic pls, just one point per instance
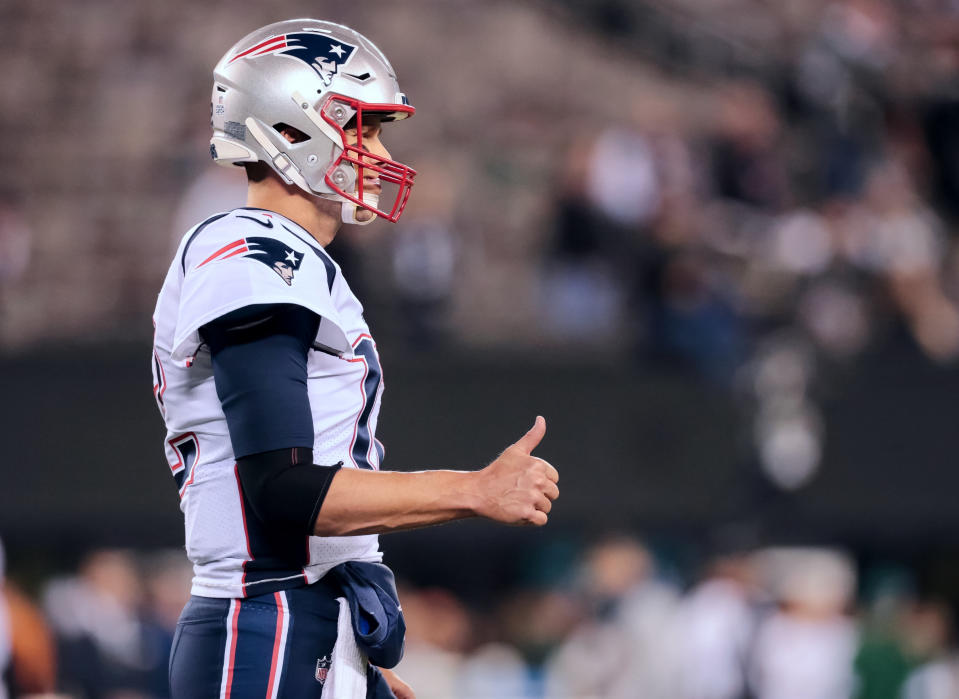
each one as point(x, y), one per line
point(377, 151)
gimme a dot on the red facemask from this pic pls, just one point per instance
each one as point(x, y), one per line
point(388, 171)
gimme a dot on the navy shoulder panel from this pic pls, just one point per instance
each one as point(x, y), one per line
point(197, 232)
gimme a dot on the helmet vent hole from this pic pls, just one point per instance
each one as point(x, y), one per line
point(290, 133)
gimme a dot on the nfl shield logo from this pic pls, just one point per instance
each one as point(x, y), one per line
point(322, 669)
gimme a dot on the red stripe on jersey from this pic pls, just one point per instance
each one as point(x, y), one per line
point(241, 241)
point(275, 39)
point(360, 339)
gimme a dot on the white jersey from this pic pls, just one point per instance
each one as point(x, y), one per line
point(230, 261)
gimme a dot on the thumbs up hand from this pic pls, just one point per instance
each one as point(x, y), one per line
point(518, 488)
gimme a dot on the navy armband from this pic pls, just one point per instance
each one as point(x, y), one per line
point(284, 487)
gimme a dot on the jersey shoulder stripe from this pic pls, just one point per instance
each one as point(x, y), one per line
point(195, 233)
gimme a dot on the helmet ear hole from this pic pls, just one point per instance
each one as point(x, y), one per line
point(290, 133)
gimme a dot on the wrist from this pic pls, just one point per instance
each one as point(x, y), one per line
point(469, 493)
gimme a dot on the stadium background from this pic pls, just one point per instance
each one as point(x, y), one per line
point(714, 243)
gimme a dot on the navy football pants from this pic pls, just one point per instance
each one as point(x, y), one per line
point(276, 645)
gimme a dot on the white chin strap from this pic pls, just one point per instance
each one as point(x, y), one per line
point(349, 210)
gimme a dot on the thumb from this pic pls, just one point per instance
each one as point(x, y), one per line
point(535, 435)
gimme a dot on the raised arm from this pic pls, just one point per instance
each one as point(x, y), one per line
point(517, 488)
point(259, 365)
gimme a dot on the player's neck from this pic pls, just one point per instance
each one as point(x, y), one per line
point(320, 217)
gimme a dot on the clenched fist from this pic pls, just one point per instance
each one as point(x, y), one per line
point(519, 488)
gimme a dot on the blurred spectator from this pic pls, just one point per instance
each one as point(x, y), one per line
point(438, 633)
point(424, 259)
point(692, 320)
point(622, 178)
point(495, 670)
point(215, 190)
point(715, 628)
point(582, 294)
point(627, 632)
point(167, 577)
point(100, 637)
point(536, 622)
point(34, 661)
point(805, 649)
point(27, 662)
point(928, 633)
point(748, 164)
point(883, 660)
point(904, 245)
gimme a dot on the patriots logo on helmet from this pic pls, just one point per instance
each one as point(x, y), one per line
point(275, 254)
point(322, 53)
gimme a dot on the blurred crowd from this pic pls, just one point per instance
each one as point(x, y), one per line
point(772, 623)
point(636, 198)
point(581, 189)
point(744, 623)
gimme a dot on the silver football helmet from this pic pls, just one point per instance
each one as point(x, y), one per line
point(316, 77)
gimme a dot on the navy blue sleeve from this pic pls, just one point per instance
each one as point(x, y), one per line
point(259, 367)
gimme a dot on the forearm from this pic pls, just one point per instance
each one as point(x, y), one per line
point(377, 502)
point(517, 488)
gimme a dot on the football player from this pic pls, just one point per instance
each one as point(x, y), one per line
point(269, 382)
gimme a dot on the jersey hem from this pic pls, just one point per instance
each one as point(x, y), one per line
point(307, 576)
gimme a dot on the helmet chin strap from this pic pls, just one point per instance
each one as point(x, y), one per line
point(348, 211)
